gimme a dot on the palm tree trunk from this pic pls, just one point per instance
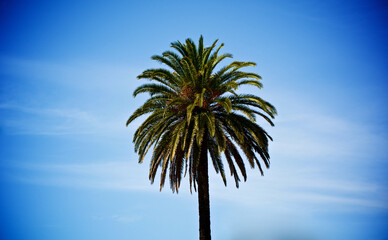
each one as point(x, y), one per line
point(203, 193)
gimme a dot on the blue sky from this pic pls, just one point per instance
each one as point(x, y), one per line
point(68, 169)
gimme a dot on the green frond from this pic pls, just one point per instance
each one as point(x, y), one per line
point(225, 103)
point(200, 52)
point(164, 171)
point(210, 123)
point(160, 75)
point(250, 82)
point(170, 59)
point(190, 108)
point(219, 136)
point(200, 96)
point(238, 64)
point(216, 159)
point(192, 137)
point(153, 89)
point(238, 159)
point(208, 51)
point(177, 134)
point(148, 107)
point(233, 171)
point(266, 106)
point(252, 100)
point(201, 129)
point(246, 111)
point(180, 48)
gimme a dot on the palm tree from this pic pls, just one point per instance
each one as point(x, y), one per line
point(194, 111)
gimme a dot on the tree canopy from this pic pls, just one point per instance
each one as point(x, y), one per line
point(195, 101)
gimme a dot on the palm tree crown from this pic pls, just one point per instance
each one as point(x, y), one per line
point(194, 110)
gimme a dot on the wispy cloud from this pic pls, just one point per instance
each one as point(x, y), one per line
point(102, 90)
point(117, 218)
point(284, 190)
point(324, 135)
point(58, 121)
point(118, 175)
point(89, 74)
point(294, 192)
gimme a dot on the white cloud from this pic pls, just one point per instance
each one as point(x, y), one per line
point(89, 75)
point(117, 218)
point(285, 191)
point(102, 104)
point(292, 193)
point(59, 121)
point(322, 135)
point(118, 175)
